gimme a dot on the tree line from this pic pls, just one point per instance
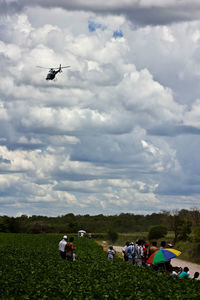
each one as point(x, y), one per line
point(180, 222)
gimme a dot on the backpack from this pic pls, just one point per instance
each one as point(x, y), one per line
point(138, 251)
point(133, 251)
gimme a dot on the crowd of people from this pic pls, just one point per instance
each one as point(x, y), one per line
point(139, 253)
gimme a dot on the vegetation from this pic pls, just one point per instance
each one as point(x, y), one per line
point(180, 222)
point(112, 236)
point(157, 232)
point(183, 225)
point(31, 268)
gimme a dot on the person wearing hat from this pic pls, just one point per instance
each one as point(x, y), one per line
point(110, 253)
point(61, 247)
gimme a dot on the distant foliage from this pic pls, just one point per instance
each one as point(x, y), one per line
point(197, 234)
point(181, 227)
point(112, 236)
point(123, 223)
point(157, 232)
point(39, 227)
point(195, 248)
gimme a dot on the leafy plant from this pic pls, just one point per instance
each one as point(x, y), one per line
point(157, 232)
point(31, 268)
point(112, 236)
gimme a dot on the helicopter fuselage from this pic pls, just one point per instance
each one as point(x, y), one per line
point(51, 75)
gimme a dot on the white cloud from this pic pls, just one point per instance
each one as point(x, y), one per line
point(102, 137)
point(142, 12)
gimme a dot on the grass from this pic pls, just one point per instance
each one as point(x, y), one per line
point(132, 237)
point(184, 246)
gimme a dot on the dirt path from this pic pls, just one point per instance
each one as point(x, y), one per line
point(175, 262)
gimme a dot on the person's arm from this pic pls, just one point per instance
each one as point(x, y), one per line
point(65, 247)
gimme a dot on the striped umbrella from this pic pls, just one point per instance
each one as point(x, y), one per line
point(163, 255)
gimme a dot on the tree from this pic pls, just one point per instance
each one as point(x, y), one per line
point(157, 232)
point(181, 228)
point(3, 225)
point(195, 215)
point(197, 234)
point(39, 227)
point(195, 249)
point(112, 236)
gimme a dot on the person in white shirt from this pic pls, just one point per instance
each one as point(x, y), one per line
point(129, 252)
point(138, 251)
point(110, 253)
point(61, 247)
point(124, 251)
point(176, 271)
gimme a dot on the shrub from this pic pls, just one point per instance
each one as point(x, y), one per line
point(197, 234)
point(39, 227)
point(157, 232)
point(112, 236)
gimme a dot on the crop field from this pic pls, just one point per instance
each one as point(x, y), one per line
point(31, 268)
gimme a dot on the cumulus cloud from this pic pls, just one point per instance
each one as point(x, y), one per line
point(141, 12)
point(109, 134)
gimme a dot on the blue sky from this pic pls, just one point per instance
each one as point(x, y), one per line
point(116, 132)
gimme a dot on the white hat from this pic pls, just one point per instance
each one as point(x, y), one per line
point(65, 237)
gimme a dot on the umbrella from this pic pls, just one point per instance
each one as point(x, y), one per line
point(160, 256)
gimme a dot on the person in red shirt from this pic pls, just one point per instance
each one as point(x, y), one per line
point(69, 249)
point(153, 248)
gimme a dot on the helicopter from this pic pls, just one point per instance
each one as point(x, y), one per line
point(53, 71)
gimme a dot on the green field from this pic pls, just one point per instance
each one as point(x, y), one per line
point(31, 268)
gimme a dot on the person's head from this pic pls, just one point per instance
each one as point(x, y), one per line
point(176, 269)
point(146, 245)
point(196, 274)
point(185, 269)
point(154, 244)
point(169, 268)
point(65, 237)
point(127, 243)
point(163, 244)
point(170, 245)
point(139, 242)
point(111, 247)
point(71, 239)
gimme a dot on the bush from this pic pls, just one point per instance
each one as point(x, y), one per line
point(112, 236)
point(195, 252)
point(39, 227)
point(157, 232)
point(197, 234)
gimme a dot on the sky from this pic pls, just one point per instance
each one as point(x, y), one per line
point(118, 131)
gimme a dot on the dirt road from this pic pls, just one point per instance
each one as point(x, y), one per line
point(175, 262)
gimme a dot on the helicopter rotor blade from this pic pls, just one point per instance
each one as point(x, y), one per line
point(65, 67)
point(42, 67)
